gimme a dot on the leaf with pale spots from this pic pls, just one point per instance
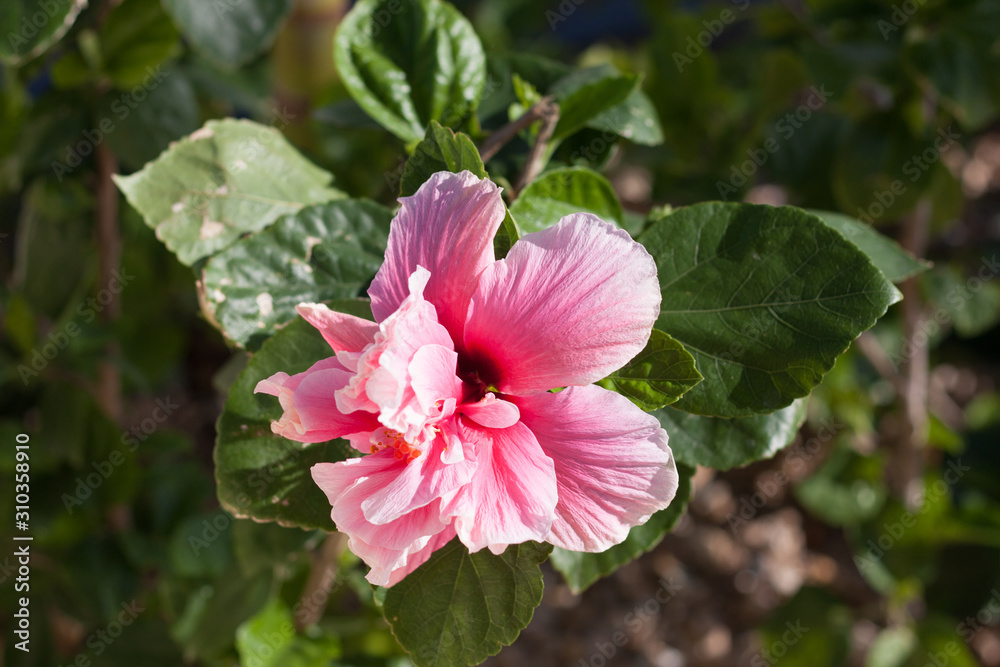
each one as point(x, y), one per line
point(219, 183)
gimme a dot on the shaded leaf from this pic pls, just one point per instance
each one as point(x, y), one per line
point(230, 34)
point(31, 26)
point(659, 375)
point(440, 150)
point(460, 608)
point(886, 254)
point(764, 298)
point(585, 95)
point(730, 443)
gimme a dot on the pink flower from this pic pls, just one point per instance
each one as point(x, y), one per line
point(448, 395)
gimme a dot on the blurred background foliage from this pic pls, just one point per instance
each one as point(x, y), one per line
point(883, 541)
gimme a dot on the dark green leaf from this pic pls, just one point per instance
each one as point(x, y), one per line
point(561, 192)
point(169, 111)
point(440, 150)
point(136, 38)
point(323, 252)
point(729, 443)
point(230, 34)
point(659, 375)
point(506, 236)
point(460, 608)
point(29, 27)
point(585, 95)
point(408, 63)
point(261, 475)
point(635, 119)
point(224, 180)
point(764, 298)
point(886, 254)
point(583, 569)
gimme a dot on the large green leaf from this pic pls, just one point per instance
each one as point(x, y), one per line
point(582, 569)
point(764, 298)
point(460, 608)
point(136, 38)
point(224, 180)
point(31, 26)
point(408, 62)
point(586, 95)
point(886, 254)
point(440, 150)
point(729, 443)
point(327, 251)
point(561, 192)
point(260, 475)
point(230, 34)
point(659, 375)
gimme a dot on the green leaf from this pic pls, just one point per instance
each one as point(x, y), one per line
point(730, 443)
point(169, 112)
point(891, 648)
point(764, 298)
point(224, 180)
point(259, 546)
point(659, 375)
point(585, 95)
point(562, 192)
point(583, 569)
point(460, 608)
point(969, 301)
point(635, 119)
point(440, 150)
point(260, 475)
point(846, 491)
point(506, 236)
point(408, 62)
point(322, 252)
point(230, 34)
point(29, 27)
point(136, 38)
point(895, 263)
point(269, 640)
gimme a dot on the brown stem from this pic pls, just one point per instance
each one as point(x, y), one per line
point(499, 139)
point(907, 468)
point(108, 257)
point(321, 579)
point(536, 156)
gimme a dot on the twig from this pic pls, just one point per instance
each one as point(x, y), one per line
point(109, 257)
point(536, 156)
point(320, 582)
point(907, 469)
point(877, 357)
point(499, 139)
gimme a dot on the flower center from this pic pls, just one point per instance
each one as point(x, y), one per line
point(387, 438)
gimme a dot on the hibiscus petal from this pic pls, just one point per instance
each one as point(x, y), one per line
point(613, 466)
point(491, 412)
point(343, 332)
point(567, 306)
point(447, 227)
point(401, 563)
point(512, 495)
point(309, 407)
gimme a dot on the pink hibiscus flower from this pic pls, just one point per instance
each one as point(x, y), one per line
point(448, 394)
